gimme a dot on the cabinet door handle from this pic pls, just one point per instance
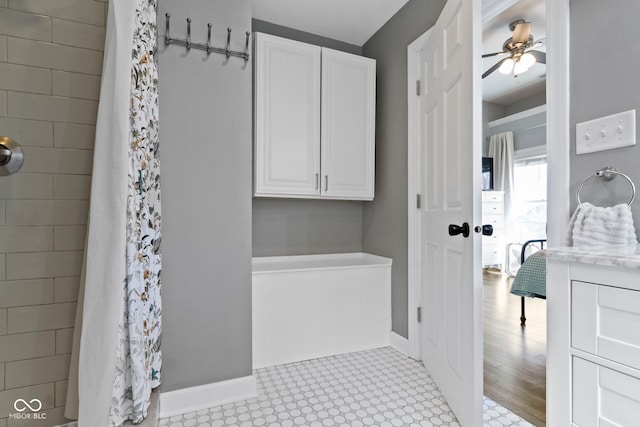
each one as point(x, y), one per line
point(317, 180)
point(326, 183)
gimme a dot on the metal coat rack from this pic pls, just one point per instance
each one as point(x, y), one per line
point(207, 47)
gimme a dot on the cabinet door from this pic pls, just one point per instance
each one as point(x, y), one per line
point(287, 118)
point(348, 125)
point(603, 397)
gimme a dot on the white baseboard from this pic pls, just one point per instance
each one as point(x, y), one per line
point(399, 343)
point(207, 396)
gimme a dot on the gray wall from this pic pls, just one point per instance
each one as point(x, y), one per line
point(205, 132)
point(527, 132)
point(528, 103)
point(490, 112)
point(524, 135)
point(260, 26)
point(604, 81)
point(297, 226)
point(385, 219)
point(50, 67)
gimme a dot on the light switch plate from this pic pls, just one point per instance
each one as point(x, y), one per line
point(606, 133)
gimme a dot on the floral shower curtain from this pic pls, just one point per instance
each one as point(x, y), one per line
point(118, 325)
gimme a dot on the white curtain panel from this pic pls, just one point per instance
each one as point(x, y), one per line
point(119, 344)
point(502, 151)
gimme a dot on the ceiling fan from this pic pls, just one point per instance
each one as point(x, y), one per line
point(518, 48)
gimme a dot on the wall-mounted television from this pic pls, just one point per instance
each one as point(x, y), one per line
point(487, 173)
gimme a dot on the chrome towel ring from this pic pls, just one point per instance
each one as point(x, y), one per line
point(607, 173)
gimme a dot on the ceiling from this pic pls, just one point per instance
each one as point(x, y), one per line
point(350, 21)
point(497, 14)
point(355, 21)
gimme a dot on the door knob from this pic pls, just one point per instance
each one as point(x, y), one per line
point(454, 230)
point(486, 229)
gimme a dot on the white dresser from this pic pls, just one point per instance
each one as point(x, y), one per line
point(593, 343)
point(493, 213)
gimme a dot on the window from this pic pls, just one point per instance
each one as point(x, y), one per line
point(529, 206)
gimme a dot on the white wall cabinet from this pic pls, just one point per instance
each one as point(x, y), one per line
point(287, 117)
point(314, 121)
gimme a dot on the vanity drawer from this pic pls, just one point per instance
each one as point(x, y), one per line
point(603, 397)
point(605, 321)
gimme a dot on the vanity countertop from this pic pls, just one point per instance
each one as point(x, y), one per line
point(615, 256)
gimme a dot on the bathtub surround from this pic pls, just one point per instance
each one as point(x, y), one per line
point(120, 315)
point(49, 89)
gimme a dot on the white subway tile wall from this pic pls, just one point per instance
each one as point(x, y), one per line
point(3, 48)
point(64, 340)
point(32, 132)
point(71, 187)
point(36, 371)
point(50, 66)
point(69, 237)
point(67, 135)
point(61, 392)
point(75, 85)
point(66, 289)
point(3, 103)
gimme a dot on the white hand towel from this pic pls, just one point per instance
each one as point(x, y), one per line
point(597, 226)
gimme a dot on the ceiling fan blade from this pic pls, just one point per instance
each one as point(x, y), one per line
point(541, 57)
point(538, 42)
point(522, 32)
point(495, 67)
point(488, 55)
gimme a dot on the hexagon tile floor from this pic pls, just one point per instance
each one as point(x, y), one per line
point(378, 387)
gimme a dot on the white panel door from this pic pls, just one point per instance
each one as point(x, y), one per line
point(348, 125)
point(451, 341)
point(287, 118)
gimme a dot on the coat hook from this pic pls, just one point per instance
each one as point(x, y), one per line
point(208, 47)
point(188, 33)
point(167, 39)
point(246, 46)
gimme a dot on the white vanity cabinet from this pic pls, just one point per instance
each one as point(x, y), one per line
point(593, 370)
point(314, 121)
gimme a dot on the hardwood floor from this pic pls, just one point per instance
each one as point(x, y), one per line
point(514, 356)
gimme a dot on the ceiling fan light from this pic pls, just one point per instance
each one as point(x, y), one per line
point(519, 68)
point(507, 66)
point(527, 60)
